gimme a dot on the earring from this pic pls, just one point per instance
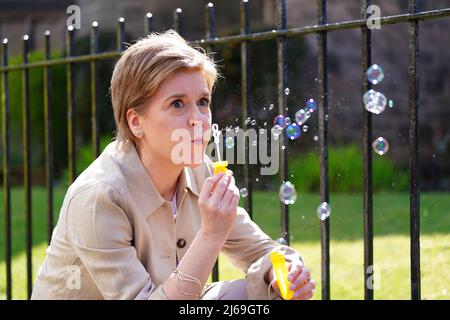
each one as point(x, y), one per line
point(138, 133)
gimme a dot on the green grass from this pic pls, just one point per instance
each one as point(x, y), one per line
point(391, 241)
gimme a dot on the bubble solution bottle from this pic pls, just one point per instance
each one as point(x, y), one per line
point(281, 274)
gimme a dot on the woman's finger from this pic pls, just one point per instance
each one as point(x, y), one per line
point(301, 280)
point(208, 185)
point(234, 201)
point(221, 186)
point(295, 268)
point(305, 290)
point(228, 194)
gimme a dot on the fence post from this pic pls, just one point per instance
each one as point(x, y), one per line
point(366, 61)
point(322, 77)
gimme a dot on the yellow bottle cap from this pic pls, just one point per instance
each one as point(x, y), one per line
point(220, 166)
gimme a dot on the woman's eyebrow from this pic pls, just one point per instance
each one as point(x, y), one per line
point(182, 95)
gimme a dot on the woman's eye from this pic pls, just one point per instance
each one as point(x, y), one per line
point(204, 102)
point(177, 104)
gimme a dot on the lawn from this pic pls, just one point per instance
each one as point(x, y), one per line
point(391, 241)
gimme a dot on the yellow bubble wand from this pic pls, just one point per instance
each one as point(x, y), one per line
point(219, 166)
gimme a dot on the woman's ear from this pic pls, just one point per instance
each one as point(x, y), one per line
point(133, 120)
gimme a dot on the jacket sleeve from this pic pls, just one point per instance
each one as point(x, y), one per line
point(101, 235)
point(248, 248)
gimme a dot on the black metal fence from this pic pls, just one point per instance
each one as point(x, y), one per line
point(281, 35)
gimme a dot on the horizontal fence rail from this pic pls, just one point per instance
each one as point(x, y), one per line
point(280, 35)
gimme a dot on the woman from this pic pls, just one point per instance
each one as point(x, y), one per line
point(139, 223)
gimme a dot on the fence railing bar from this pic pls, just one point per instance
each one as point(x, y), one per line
point(366, 61)
point(65, 60)
point(413, 102)
point(71, 109)
point(148, 22)
point(245, 101)
point(210, 22)
point(27, 162)
point(282, 110)
point(178, 20)
point(6, 171)
point(251, 37)
point(48, 128)
point(295, 32)
point(322, 65)
point(94, 111)
point(121, 34)
point(209, 33)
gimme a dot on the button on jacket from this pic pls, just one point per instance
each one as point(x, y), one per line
point(117, 238)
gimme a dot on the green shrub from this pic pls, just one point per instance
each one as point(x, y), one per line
point(58, 103)
point(84, 157)
point(345, 171)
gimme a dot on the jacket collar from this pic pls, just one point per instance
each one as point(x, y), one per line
point(140, 184)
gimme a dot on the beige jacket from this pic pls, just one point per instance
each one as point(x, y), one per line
point(117, 238)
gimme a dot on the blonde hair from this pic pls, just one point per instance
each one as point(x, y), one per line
point(145, 65)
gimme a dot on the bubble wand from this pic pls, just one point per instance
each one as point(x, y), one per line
point(219, 166)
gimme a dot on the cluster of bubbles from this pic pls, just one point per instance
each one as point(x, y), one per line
point(376, 102)
point(292, 129)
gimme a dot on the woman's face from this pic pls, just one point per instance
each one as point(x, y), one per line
point(177, 120)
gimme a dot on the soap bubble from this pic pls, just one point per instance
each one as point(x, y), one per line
point(287, 193)
point(316, 138)
point(375, 74)
point(391, 103)
point(271, 106)
point(254, 143)
point(287, 91)
point(281, 241)
point(243, 192)
point(229, 142)
point(280, 120)
point(253, 122)
point(293, 131)
point(305, 128)
point(380, 146)
point(311, 105)
point(300, 116)
point(374, 101)
point(323, 211)
point(287, 121)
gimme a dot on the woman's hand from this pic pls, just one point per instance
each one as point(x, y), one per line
point(218, 202)
point(300, 280)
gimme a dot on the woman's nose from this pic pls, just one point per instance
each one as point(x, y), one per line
point(195, 122)
point(195, 117)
